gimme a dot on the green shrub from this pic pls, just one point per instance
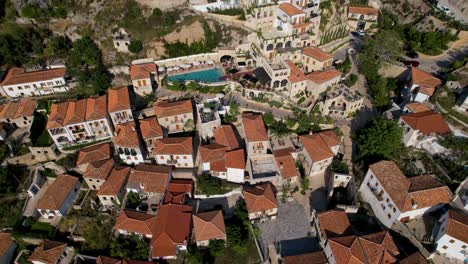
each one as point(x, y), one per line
point(135, 46)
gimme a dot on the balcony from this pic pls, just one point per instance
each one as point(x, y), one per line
point(57, 131)
point(76, 131)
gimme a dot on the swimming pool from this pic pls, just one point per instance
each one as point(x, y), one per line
point(206, 76)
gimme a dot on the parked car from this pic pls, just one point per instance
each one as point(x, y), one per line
point(411, 63)
point(350, 51)
point(412, 54)
point(361, 33)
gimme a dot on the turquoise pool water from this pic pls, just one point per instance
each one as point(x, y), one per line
point(207, 76)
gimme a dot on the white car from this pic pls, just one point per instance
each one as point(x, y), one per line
point(350, 51)
point(361, 33)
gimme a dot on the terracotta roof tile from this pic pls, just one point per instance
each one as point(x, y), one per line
point(425, 80)
point(290, 10)
point(13, 110)
point(392, 180)
point(57, 192)
point(142, 71)
point(57, 115)
point(422, 191)
point(209, 225)
point(254, 127)
point(180, 185)
point(286, 163)
point(212, 152)
point(319, 145)
point(458, 224)
point(334, 223)
point(76, 112)
point(127, 136)
point(48, 252)
point(296, 74)
point(94, 153)
point(108, 260)
point(317, 54)
point(96, 108)
point(225, 135)
point(165, 109)
point(172, 228)
point(417, 107)
point(307, 258)
point(174, 198)
point(363, 10)
point(136, 222)
point(415, 258)
point(118, 99)
point(19, 76)
point(427, 122)
point(153, 178)
point(172, 146)
point(320, 77)
point(5, 243)
point(260, 197)
point(150, 128)
point(115, 182)
point(99, 169)
point(235, 159)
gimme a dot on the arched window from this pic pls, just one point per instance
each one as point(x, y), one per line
point(279, 45)
point(276, 84)
point(269, 47)
point(284, 82)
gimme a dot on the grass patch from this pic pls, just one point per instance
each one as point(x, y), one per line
point(232, 256)
point(448, 101)
point(196, 87)
point(209, 185)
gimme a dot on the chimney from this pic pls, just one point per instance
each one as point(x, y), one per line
point(133, 128)
point(281, 165)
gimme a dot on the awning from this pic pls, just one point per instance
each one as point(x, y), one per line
point(176, 68)
point(196, 63)
point(185, 66)
point(161, 69)
point(210, 62)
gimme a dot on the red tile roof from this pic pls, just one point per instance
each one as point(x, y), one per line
point(115, 182)
point(363, 10)
point(286, 163)
point(73, 112)
point(417, 107)
point(165, 109)
point(209, 225)
point(320, 77)
point(5, 243)
point(172, 228)
point(306, 258)
point(235, 159)
point(427, 122)
point(290, 10)
point(425, 80)
point(173, 146)
point(260, 197)
point(376, 248)
point(118, 99)
point(317, 54)
point(13, 110)
point(225, 135)
point(57, 192)
point(48, 252)
point(422, 191)
point(127, 136)
point(180, 185)
point(19, 76)
point(108, 260)
point(458, 224)
point(415, 258)
point(150, 128)
point(334, 223)
point(94, 153)
point(153, 178)
point(319, 145)
point(142, 71)
point(254, 127)
point(296, 74)
point(212, 152)
point(99, 169)
point(136, 222)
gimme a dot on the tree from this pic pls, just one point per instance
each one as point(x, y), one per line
point(216, 247)
point(279, 128)
point(98, 233)
point(189, 125)
point(268, 118)
point(135, 46)
point(133, 200)
point(129, 247)
point(380, 139)
point(56, 47)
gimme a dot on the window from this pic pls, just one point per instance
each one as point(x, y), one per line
point(387, 200)
point(444, 247)
point(464, 246)
point(452, 241)
point(372, 176)
point(104, 198)
point(388, 215)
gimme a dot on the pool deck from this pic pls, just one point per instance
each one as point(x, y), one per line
point(195, 69)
